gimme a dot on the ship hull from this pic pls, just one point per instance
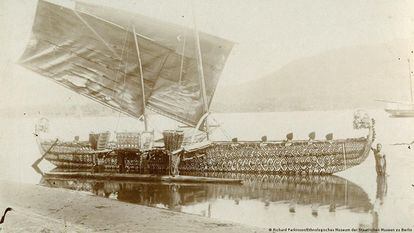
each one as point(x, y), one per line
point(71, 156)
point(400, 112)
point(301, 157)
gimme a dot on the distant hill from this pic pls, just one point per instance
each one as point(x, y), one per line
point(345, 78)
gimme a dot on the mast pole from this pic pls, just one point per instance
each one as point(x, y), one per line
point(142, 79)
point(201, 72)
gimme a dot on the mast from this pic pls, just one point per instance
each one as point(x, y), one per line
point(142, 80)
point(201, 73)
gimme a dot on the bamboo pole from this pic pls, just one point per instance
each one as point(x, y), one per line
point(142, 80)
point(201, 72)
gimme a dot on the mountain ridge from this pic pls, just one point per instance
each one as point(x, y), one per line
point(335, 80)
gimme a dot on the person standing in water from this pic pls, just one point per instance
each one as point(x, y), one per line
point(380, 161)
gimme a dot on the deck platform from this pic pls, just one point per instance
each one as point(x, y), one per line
point(142, 177)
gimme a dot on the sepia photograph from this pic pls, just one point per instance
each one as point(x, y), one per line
point(215, 116)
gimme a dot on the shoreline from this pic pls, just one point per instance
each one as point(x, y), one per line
point(43, 209)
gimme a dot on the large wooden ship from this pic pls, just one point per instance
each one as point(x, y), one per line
point(276, 157)
point(134, 64)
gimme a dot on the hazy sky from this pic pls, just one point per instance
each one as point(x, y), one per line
point(268, 34)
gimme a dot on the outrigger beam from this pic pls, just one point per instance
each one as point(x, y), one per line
point(142, 79)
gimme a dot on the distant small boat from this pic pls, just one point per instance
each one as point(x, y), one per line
point(402, 109)
point(400, 112)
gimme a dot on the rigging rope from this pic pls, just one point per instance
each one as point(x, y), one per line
point(223, 130)
point(122, 55)
point(124, 76)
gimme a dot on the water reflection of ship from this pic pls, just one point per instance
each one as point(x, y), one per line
point(317, 191)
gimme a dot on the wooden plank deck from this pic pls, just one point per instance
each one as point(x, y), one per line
point(142, 177)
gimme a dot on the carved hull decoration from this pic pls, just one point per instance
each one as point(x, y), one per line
point(72, 156)
point(299, 158)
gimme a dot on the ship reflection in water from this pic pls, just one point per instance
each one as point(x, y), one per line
point(263, 200)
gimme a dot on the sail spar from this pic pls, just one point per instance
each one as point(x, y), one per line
point(91, 50)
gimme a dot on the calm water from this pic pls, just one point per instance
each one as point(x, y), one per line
point(353, 198)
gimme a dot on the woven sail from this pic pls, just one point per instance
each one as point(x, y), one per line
point(91, 50)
